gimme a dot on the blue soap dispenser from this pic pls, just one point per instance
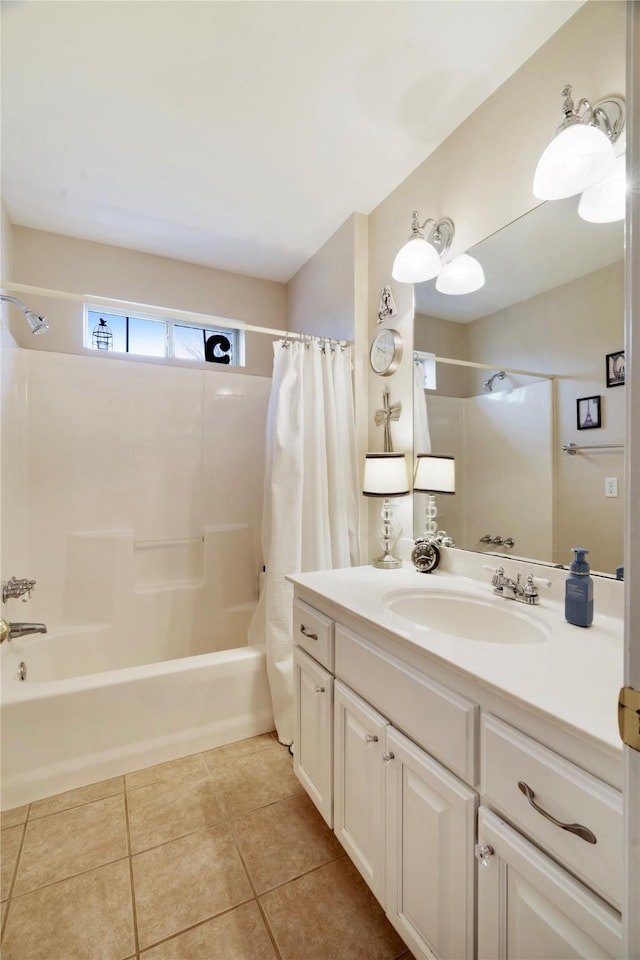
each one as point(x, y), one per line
point(578, 597)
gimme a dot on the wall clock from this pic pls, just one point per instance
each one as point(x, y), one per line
point(386, 352)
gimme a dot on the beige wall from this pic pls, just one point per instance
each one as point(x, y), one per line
point(56, 262)
point(445, 339)
point(481, 175)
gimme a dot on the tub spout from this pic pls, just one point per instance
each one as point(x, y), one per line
point(24, 629)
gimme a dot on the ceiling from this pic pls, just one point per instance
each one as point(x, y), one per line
point(239, 135)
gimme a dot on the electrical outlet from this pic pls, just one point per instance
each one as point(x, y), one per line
point(611, 487)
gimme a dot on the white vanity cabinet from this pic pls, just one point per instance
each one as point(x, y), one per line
point(313, 743)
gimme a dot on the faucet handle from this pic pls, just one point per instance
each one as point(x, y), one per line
point(539, 581)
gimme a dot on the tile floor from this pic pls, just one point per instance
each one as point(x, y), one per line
point(216, 856)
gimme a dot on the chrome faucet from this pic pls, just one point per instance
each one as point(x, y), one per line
point(17, 588)
point(511, 589)
point(9, 631)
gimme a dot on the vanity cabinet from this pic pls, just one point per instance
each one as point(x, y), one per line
point(313, 743)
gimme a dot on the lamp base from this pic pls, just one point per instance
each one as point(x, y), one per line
point(386, 562)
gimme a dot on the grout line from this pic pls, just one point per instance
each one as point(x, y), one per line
point(194, 926)
point(73, 806)
point(15, 869)
point(73, 876)
point(134, 910)
point(270, 932)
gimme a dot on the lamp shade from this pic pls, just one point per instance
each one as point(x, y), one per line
point(606, 201)
point(463, 274)
point(435, 473)
point(385, 475)
point(416, 261)
point(578, 157)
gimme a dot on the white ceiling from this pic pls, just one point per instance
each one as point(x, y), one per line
point(234, 134)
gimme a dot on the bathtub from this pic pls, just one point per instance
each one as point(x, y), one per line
point(75, 720)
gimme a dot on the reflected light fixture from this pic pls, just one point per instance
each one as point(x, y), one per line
point(463, 274)
point(385, 475)
point(581, 154)
point(434, 473)
point(36, 323)
point(606, 201)
point(419, 258)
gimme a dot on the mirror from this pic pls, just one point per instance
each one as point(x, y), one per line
point(553, 307)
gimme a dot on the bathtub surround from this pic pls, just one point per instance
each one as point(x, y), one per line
point(310, 515)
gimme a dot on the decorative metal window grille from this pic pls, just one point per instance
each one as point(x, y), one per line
point(161, 337)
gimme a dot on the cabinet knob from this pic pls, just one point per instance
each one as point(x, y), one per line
point(318, 690)
point(370, 738)
point(483, 853)
point(388, 756)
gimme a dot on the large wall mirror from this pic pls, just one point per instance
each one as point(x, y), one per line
point(517, 356)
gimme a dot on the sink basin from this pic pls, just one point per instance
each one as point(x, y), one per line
point(468, 617)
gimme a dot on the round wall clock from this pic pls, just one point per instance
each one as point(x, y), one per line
point(386, 351)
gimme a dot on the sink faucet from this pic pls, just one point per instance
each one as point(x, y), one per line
point(511, 589)
point(9, 631)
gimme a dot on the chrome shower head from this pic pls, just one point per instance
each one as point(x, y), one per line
point(488, 384)
point(36, 323)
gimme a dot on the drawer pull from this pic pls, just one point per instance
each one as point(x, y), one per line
point(305, 633)
point(576, 828)
point(318, 690)
point(370, 738)
point(387, 757)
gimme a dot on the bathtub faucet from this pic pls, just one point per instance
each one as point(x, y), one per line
point(9, 631)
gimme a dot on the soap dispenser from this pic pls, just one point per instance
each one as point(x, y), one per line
point(578, 598)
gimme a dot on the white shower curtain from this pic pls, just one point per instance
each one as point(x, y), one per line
point(421, 434)
point(310, 511)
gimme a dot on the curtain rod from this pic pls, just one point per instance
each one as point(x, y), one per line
point(170, 312)
point(424, 355)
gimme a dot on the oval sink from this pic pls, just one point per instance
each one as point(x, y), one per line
point(468, 617)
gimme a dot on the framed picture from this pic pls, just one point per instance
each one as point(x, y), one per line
point(588, 410)
point(615, 369)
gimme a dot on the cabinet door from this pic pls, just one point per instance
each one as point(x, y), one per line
point(313, 742)
point(529, 908)
point(359, 778)
point(430, 843)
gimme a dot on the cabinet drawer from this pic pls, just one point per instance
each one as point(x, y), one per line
point(442, 722)
point(564, 791)
point(313, 632)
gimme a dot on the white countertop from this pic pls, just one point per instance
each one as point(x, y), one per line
point(572, 676)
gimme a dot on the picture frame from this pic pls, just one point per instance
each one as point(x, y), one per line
point(615, 369)
point(588, 412)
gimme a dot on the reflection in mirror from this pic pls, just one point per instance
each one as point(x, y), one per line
point(551, 311)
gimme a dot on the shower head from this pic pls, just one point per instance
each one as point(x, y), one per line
point(488, 384)
point(36, 323)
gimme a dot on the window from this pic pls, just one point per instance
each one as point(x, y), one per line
point(161, 337)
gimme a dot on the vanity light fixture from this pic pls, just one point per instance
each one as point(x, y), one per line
point(423, 259)
point(435, 473)
point(606, 201)
point(385, 475)
point(581, 154)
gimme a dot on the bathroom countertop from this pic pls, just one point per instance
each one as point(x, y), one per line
point(573, 676)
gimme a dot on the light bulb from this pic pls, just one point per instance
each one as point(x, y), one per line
point(416, 261)
point(463, 274)
point(605, 202)
point(576, 159)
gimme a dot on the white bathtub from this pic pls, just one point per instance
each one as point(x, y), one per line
point(74, 721)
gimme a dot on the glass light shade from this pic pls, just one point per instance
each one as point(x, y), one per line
point(435, 473)
point(416, 261)
point(385, 475)
point(577, 158)
point(463, 274)
point(605, 202)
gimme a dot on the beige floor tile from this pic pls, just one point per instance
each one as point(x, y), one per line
point(330, 913)
point(73, 798)
point(186, 881)
point(184, 768)
point(256, 780)
point(169, 809)
point(84, 918)
point(67, 843)
point(237, 935)
point(283, 840)
point(10, 818)
point(241, 748)
point(10, 841)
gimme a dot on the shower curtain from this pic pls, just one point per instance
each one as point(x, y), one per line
point(310, 510)
point(421, 435)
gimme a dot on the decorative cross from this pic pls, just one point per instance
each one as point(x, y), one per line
point(389, 412)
